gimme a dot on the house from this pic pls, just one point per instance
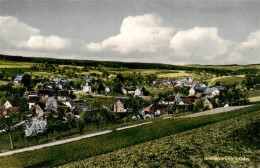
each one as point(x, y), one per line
point(211, 92)
point(9, 104)
point(87, 87)
point(107, 89)
point(221, 89)
point(192, 92)
point(189, 79)
point(48, 85)
point(35, 111)
point(136, 91)
point(128, 90)
point(32, 94)
point(207, 104)
point(45, 93)
point(189, 100)
point(60, 83)
point(199, 89)
point(78, 105)
point(32, 101)
point(22, 78)
point(190, 84)
point(170, 100)
point(119, 106)
point(7, 111)
point(179, 83)
point(158, 109)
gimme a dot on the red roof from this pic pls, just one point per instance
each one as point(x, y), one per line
point(5, 112)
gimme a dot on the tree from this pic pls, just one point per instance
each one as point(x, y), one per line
point(100, 88)
point(198, 106)
point(8, 123)
point(38, 86)
point(35, 126)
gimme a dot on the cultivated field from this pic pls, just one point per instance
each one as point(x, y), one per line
point(79, 150)
point(233, 142)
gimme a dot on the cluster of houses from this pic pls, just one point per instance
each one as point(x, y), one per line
point(177, 83)
point(198, 91)
point(127, 90)
point(54, 96)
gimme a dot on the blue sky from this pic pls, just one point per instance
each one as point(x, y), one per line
point(175, 32)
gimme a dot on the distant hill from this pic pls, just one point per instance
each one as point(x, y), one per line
point(131, 65)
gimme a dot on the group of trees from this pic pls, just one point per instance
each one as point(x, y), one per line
point(12, 94)
point(252, 81)
point(135, 79)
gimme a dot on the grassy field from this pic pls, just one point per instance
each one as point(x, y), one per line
point(254, 99)
point(14, 64)
point(171, 74)
point(233, 142)
point(226, 80)
point(254, 96)
point(157, 90)
point(255, 93)
point(3, 82)
point(79, 150)
point(229, 67)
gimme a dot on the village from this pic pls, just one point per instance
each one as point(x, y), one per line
point(55, 98)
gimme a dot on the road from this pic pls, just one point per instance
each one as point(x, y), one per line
point(215, 111)
point(68, 140)
point(22, 122)
point(209, 112)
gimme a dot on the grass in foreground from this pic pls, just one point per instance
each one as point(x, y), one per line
point(231, 143)
point(79, 150)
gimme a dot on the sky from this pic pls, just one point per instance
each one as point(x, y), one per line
point(158, 31)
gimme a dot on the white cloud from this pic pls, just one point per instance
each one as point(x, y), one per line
point(20, 35)
point(46, 42)
point(15, 32)
point(145, 33)
point(199, 43)
point(248, 52)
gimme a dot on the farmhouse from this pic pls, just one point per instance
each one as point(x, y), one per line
point(22, 78)
point(136, 91)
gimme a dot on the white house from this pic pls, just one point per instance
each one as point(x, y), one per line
point(107, 89)
point(212, 92)
point(7, 105)
point(138, 92)
point(191, 92)
point(189, 79)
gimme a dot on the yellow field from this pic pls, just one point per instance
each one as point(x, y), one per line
point(226, 79)
point(228, 67)
point(3, 82)
point(254, 99)
point(14, 64)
